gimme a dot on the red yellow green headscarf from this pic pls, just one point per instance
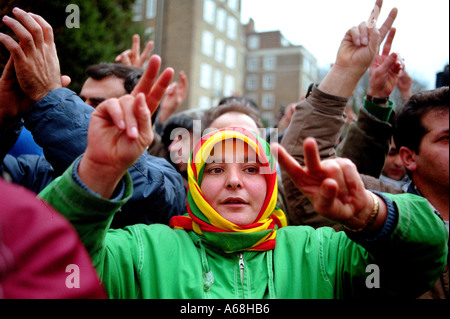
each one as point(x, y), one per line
point(207, 223)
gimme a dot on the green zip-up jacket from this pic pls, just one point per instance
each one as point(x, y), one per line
point(156, 261)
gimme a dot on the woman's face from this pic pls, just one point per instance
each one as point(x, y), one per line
point(232, 183)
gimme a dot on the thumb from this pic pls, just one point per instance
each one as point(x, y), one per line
point(327, 194)
point(388, 63)
point(374, 40)
point(65, 81)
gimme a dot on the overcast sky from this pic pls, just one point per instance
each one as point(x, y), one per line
point(319, 25)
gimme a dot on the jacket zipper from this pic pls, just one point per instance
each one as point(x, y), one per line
point(242, 267)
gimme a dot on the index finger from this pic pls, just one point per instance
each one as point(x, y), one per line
point(148, 78)
point(288, 163)
point(312, 157)
point(372, 22)
point(136, 45)
point(388, 24)
point(388, 45)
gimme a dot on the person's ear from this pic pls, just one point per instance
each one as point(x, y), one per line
point(408, 158)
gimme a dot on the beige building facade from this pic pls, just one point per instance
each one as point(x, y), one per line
point(221, 57)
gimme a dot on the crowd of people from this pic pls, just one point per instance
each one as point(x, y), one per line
point(145, 201)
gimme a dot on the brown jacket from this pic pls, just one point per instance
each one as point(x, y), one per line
point(322, 117)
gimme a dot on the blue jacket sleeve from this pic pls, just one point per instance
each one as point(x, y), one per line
point(59, 124)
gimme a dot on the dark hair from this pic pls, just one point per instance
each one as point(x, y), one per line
point(242, 100)
point(408, 128)
point(232, 106)
point(130, 74)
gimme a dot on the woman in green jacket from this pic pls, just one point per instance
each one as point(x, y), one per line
point(233, 241)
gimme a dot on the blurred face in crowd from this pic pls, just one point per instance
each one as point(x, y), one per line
point(232, 183)
point(180, 148)
point(430, 167)
point(393, 167)
point(235, 119)
point(95, 92)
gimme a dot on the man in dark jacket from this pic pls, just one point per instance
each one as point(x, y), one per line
point(59, 120)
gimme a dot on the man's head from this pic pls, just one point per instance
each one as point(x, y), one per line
point(421, 133)
point(393, 168)
point(108, 80)
point(234, 113)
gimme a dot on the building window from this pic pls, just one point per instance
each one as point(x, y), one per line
point(231, 57)
point(218, 83)
point(232, 30)
point(270, 63)
point(221, 19)
point(137, 10)
point(253, 64)
point(252, 83)
point(233, 4)
point(204, 102)
point(230, 85)
point(268, 101)
point(220, 50)
point(267, 117)
point(253, 42)
point(209, 11)
point(207, 43)
point(254, 97)
point(205, 76)
point(269, 82)
point(150, 9)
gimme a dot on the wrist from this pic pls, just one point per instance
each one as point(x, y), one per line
point(371, 218)
point(98, 177)
point(380, 99)
point(341, 81)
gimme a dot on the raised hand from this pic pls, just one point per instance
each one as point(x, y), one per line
point(361, 44)
point(334, 186)
point(13, 100)
point(119, 132)
point(404, 84)
point(153, 89)
point(357, 52)
point(175, 95)
point(134, 57)
point(385, 70)
point(35, 59)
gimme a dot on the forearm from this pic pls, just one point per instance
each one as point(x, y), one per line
point(90, 214)
point(368, 140)
point(59, 124)
point(341, 81)
point(321, 116)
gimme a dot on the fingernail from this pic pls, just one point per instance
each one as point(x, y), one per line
point(365, 41)
point(6, 18)
point(134, 132)
point(121, 125)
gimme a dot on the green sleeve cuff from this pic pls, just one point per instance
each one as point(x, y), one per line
point(71, 199)
point(383, 113)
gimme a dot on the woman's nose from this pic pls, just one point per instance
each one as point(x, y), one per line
point(234, 179)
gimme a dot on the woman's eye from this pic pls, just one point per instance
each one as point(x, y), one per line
point(252, 170)
point(215, 170)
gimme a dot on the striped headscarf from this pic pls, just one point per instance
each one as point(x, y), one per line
point(209, 224)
